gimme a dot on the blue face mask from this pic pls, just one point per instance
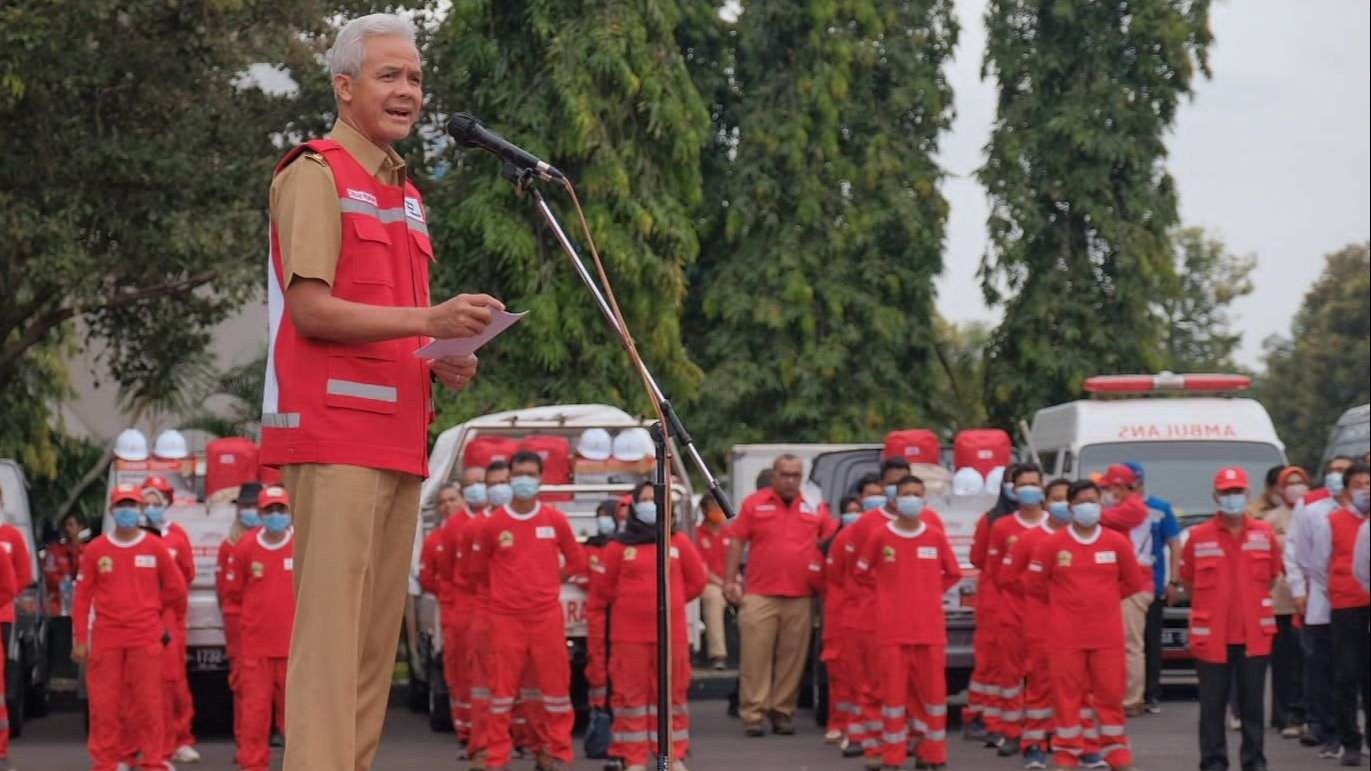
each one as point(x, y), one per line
point(525, 487)
point(605, 525)
point(1009, 493)
point(1233, 504)
point(850, 517)
point(873, 502)
point(1059, 510)
point(1086, 514)
point(909, 506)
point(126, 517)
point(1361, 501)
point(645, 512)
point(475, 495)
point(1030, 495)
point(891, 491)
point(276, 522)
point(250, 518)
point(1333, 481)
point(500, 494)
point(156, 515)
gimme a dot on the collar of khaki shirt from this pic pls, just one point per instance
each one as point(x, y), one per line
point(383, 163)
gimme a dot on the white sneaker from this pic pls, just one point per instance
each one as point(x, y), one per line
point(833, 737)
point(1234, 723)
point(122, 767)
point(679, 766)
point(185, 754)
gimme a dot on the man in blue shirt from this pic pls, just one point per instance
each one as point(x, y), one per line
point(1165, 540)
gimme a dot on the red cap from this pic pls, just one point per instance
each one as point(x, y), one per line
point(272, 495)
point(125, 491)
point(1118, 474)
point(160, 484)
point(1231, 478)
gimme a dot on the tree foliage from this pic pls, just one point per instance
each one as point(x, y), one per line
point(812, 301)
point(602, 92)
point(1197, 332)
point(1324, 367)
point(1081, 203)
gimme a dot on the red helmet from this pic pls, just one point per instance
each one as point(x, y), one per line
point(160, 484)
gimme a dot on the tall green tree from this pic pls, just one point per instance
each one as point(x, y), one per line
point(1324, 366)
point(602, 92)
point(1081, 203)
point(959, 382)
point(1197, 332)
point(818, 281)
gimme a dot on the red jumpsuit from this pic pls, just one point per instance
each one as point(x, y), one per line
point(628, 589)
point(231, 612)
point(8, 589)
point(520, 557)
point(1084, 581)
point(435, 577)
point(177, 705)
point(597, 622)
point(1007, 676)
point(843, 711)
point(863, 664)
point(477, 643)
point(457, 612)
point(982, 698)
point(63, 560)
point(262, 583)
point(125, 594)
point(1034, 631)
point(910, 571)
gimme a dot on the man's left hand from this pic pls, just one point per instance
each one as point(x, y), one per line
point(455, 372)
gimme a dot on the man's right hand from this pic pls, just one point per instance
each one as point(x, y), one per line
point(465, 315)
point(78, 654)
point(733, 592)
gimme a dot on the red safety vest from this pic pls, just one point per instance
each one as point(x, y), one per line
point(1258, 565)
point(1343, 590)
point(364, 404)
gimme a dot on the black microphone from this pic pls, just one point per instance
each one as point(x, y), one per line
point(469, 132)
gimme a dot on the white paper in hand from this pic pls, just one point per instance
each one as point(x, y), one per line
point(465, 346)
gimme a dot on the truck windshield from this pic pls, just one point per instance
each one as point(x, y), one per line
point(1182, 473)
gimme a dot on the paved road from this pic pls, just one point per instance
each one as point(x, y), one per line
point(1163, 743)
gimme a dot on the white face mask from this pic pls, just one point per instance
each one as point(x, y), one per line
point(1293, 493)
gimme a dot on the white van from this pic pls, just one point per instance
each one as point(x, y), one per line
point(1181, 428)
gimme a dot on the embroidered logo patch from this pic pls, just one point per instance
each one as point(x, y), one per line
point(105, 565)
point(1064, 559)
point(258, 570)
point(888, 553)
point(506, 539)
point(630, 553)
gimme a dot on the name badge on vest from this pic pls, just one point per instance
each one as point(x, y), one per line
point(413, 209)
point(288, 563)
point(144, 561)
point(362, 195)
point(928, 552)
point(1106, 558)
point(544, 532)
point(675, 553)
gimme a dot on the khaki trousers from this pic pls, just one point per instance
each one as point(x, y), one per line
point(354, 532)
point(1134, 635)
point(712, 606)
point(775, 640)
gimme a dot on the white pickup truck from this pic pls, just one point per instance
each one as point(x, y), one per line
point(428, 691)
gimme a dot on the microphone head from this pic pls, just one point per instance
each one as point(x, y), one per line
point(464, 128)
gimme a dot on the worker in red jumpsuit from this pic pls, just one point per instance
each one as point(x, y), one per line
point(129, 585)
point(863, 659)
point(9, 589)
point(262, 584)
point(435, 577)
point(1083, 572)
point(177, 704)
point(1004, 726)
point(1228, 566)
point(597, 621)
point(1032, 627)
point(628, 590)
point(520, 554)
point(457, 618)
point(982, 702)
point(247, 520)
point(842, 698)
point(498, 494)
point(910, 565)
point(61, 563)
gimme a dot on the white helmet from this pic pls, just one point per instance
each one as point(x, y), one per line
point(131, 445)
point(632, 445)
point(967, 481)
point(170, 445)
point(594, 444)
point(994, 479)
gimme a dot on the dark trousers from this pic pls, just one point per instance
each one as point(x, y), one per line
point(1287, 669)
point(1351, 674)
point(1318, 682)
point(1215, 682)
point(1152, 651)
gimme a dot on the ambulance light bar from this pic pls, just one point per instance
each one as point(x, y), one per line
point(1166, 381)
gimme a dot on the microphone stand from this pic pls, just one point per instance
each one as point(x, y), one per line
point(662, 434)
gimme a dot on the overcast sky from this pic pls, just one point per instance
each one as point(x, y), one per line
point(1273, 154)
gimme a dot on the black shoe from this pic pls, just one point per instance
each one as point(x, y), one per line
point(853, 751)
point(974, 731)
point(1008, 748)
point(754, 730)
point(1308, 738)
point(994, 740)
point(1351, 757)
